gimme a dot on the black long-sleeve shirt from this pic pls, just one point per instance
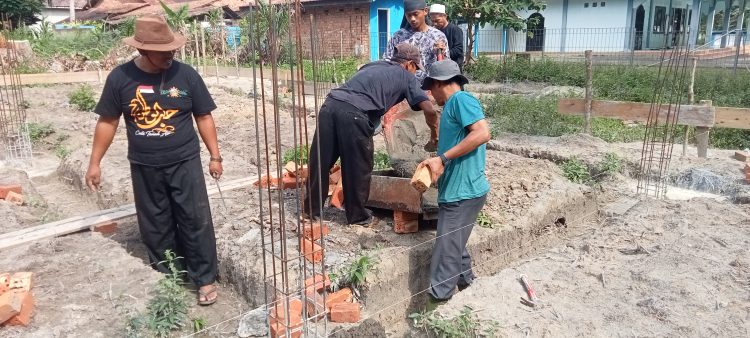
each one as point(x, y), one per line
point(455, 37)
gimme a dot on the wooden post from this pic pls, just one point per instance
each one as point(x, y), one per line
point(341, 44)
point(216, 68)
point(237, 60)
point(203, 46)
point(702, 133)
point(196, 51)
point(589, 94)
point(691, 100)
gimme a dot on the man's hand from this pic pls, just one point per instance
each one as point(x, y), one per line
point(435, 164)
point(93, 177)
point(215, 169)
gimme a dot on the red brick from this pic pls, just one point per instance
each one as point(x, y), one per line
point(4, 189)
point(21, 281)
point(279, 328)
point(105, 228)
point(318, 282)
point(337, 196)
point(335, 176)
point(295, 310)
point(14, 198)
point(265, 181)
point(10, 305)
point(27, 308)
point(314, 302)
point(315, 231)
point(312, 251)
point(345, 313)
point(341, 296)
point(405, 222)
point(288, 181)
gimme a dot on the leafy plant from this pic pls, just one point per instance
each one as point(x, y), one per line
point(466, 324)
point(167, 310)
point(38, 131)
point(62, 151)
point(354, 275)
point(485, 221)
point(83, 98)
point(576, 171)
point(198, 324)
point(298, 154)
point(176, 19)
point(611, 164)
point(381, 160)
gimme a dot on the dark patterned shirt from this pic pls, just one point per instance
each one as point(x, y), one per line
point(425, 41)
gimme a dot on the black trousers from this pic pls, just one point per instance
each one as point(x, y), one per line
point(343, 131)
point(173, 214)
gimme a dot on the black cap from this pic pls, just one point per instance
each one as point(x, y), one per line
point(413, 5)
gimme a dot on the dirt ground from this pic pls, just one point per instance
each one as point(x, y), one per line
point(87, 284)
point(664, 268)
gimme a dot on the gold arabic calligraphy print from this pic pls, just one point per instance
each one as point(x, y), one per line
point(146, 117)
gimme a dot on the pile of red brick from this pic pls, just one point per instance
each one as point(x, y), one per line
point(294, 175)
point(16, 300)
point(11, 193)
point(339, 306)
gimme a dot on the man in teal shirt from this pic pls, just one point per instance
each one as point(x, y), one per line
point(461, 181)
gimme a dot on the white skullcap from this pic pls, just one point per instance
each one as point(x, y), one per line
point(437, 8)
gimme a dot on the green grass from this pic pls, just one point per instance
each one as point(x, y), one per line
point(620, 83)
point(464, 325)
point(611, 164)
point(485, 221)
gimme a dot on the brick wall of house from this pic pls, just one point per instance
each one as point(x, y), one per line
point(342, 30)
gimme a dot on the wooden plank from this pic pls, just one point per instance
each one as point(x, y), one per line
point(83, 222)
point(727, 117)
point(691, 115)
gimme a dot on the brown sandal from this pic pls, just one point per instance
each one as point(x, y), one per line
point(208, 301)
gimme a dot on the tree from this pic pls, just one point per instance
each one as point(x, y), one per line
point(21, 11)
point(494, 12)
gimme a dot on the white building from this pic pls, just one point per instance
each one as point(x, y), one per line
point(55, 11)
point(613, 26)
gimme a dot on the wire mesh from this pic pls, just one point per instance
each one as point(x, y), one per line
point(14, 131)
point(669, 88)
point(290, 259)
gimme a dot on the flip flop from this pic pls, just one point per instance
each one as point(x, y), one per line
point(203, 294)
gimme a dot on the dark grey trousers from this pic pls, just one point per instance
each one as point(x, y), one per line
point(451, 264)
point(171, 203)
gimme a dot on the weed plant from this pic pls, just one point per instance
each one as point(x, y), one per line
point(83, 98)
point(576, 171)
point(465, 325)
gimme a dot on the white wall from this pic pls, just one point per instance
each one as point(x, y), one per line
point(55, 15)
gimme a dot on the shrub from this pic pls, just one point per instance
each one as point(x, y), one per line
point(83, 98)
point(381, 160)
point(576, 171)
point(297, 154)
point(610, 164)
point(38, 131)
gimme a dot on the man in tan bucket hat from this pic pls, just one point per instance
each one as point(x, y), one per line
point(159, 98)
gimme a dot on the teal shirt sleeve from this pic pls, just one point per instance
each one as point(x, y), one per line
point(469, 110)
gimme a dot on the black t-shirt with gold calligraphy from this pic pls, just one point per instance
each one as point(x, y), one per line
point(158, 110)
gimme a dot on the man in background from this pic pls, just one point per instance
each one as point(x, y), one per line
point(430, 41)
point(453, 33)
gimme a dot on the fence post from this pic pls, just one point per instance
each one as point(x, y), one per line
point(589, 94)
point(216, 69)
point(203, 46)
point(691, 100)
point(702, 133)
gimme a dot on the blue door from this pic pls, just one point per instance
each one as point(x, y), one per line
point(382, 31)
